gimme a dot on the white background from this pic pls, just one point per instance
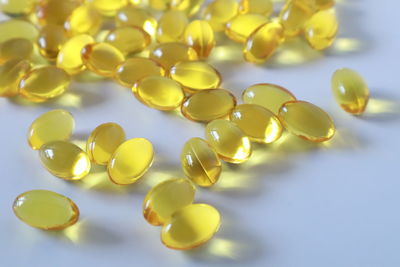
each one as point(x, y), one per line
point(293, 204)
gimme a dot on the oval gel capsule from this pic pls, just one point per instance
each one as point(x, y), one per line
point(11, 73)
point(263, 7)
point(134, 16)
point(171, 26)
point(200, 36)
point(55, 11)
point(16, 48)
point(51, 39)
point(168, 54)
point(108, 7)
point(294, 14)
point(18, 28)
point(320, 30)
point(243, 25)
point(17, 7)
point(129, 39)
point(83, 20)
point(219, 12)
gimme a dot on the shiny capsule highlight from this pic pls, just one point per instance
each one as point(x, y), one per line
point(83, 20)
point(11, 73)
point(134, 16)
point(51, 39)
point(321, 29)
point(168, 54)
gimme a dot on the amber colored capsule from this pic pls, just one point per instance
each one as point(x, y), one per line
point(320, 30)
point(243, 25)
point(200, 162)
point(324, 4)
point(191, 227)
point(46, 210)
point(190, 7)
point(294, 14)
point(219, 12)
point(267, 95)
point(15, 48)
point(16, 28)
point(10, 74)
point(171, 26)
point(159, 4)
point(17, 7)
point(200, 36)
point(208, 105)
point(51, 38)
point(350, 91)
point(83, 20)
point(307, 121)
point(134, 16)
point(168, 54)
point(55, 11)
point(166, 198)
point(108, 7)
point(129, 39)
point(130, 161)
point(263, 7)
point(231, 144)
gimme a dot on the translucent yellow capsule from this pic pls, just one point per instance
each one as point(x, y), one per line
point(84, 19)
point(17, 7)
point(108, 7)
point(171, 26)
point(37, 86)
point(55, 11)
point(263, 7)
point(294, 14)
point(134, 16)
point(243, 25)
point(46, 210)
point(64, 160)
point(10, 74)
point(69, 58)
point(166, 198)
point(159, 4)
point(200, 36)
point(190, 7)
point(200, 162)
point(219, 12)
point(263, 42)
point(191, 227)
point(15, 28)
point(130, 161)
point(54, 125)
point(350, 91)
point(320, 30)
point(15, 48)
point(135, 2)
point(208, 105)
point(103, 142)
point(129, 39)
point(231, 144)
point(267, 95)
point(159, 92)
point(102, 58)
point(50, 41)
point(168, 54)
point(324, 4)
point(195, 75)
point(307, 121)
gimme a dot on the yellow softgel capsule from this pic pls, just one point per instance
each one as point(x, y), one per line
point(219, 12)
point(228, 140)
point(51, 38)
point(46, 210)
point(134, 16)
point(108, 7)
point(321, 29)
point(103, 142)
point(190, 7)
point(200, 162)
point(307, 121)
point(267, 95)
point(37, 86)
point(168, 54)
point(195, 75)
point(15, 48)
point(64, 160)
point(102, 58)
point(243, 25)
point(208, 105)
point(159, 4)
point(200, 36)
point(17, 7)
point(191, 227)
point(257, 122)
point(263, 7)
point(55, 11)
point(16, 28)
point(10, 74)
point(171, 26)
point(129, 39)
point(83, 20)
point(130, 161)
point(294, 14)
point(350, 91)
point(166, 198)
point(324, 4)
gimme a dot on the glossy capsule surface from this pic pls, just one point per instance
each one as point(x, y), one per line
point(228, 140)
point(103, 142)
point(129, 39)
point(108, 7)
point(219, 12)
point(190, 7)
point(168, 54)
point(350, 91)
point(307, 121)
point(46, 210)
point(166, 198)
point(17, 7)
point(200, 162)
point(15, 48)
point(134, 16)
point(51, 39)
point(200, 36)
point(159, 4)
point(324, 4)
point(243, 25)
point(171, 26)
point(83, 20)
point(191, 227)
point(10, 74)
point(294, 14)
point(55, 11)
point(64, 160)
point(18, 28)
point(263, 7)
point(321, 29)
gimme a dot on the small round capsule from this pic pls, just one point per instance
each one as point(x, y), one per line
point(190, 7)
point(83, 20)
point(166, 198)
point(55, 11)
point(231, 144)
point(171, 26)
point(17, 48)
point(108, 7)
point(168, 54)
point(307, 121)
point(294, 14)
point(129, 39)
point(51, 39)
point(262, 7)
point(200, 162)
point(64, 160)
point(16, 28)
point(243, 25)
point(11, 73)
point(17, 7)
point(134, 16)
point(219, 12)
point(191, 227)
point(320, 30)
point(130, 161)
point(200, 36)
point(46, 210)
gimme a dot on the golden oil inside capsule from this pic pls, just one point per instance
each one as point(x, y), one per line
point(228, 140)
point(51, 39)
point(55, 11)
point(190, 7)
point(108, 7)
point(54, 125)
point(171, 26)
point(294, 14)
point(10, 74)
point(102, 58)
point(243, 25)
point(69, 58)
point(134, 16)
point(130, 161)
point(350, 91)
point(200, 36)
point(267, 95)
point(37, 86)
point(15, 48)
point(263, 7)
point(168, 54)
point(46, 210)
point(103, 142)
point(320, 30)
point(263, 42)
point(191, 227)
point(83, 20)
point(257, 122)
point(159, 4)
point(307, 121)
point(17, 7)
point(208, 105)
point(200, 162)
point(129, 39)
point(219, 12)
point(324, 4)
point(16, 28)
point(195, 75)
point(64, 160)
point(166, 198)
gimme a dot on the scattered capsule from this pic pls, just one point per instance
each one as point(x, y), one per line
point(37, 86)
point(208, 105)
point(307, 121)
point(130, 161)
point(200, 162)
point(17, 7)
point(350, 91)
point(195, 75)
point(134, 16)
point(55, 11)
point(16, 28)
point(15, 48)
point(171, 26)
point(191, 227)
point(50, 41)
point(168, 54)
point(263, 7)
point(129, 39)
point(200, 36)
point(64, 160)
point(166, 198)
point(320, 30)
point(83, 20)
point(108, 7)
point(102, 58)
point(324, 4)
point(219, 12)
point(190, 7)
point(10, 74)
point(228, 140)
point(46, 210)
point(242, 26)
point(294, 14)
point(267, 95)
point(159, 4)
